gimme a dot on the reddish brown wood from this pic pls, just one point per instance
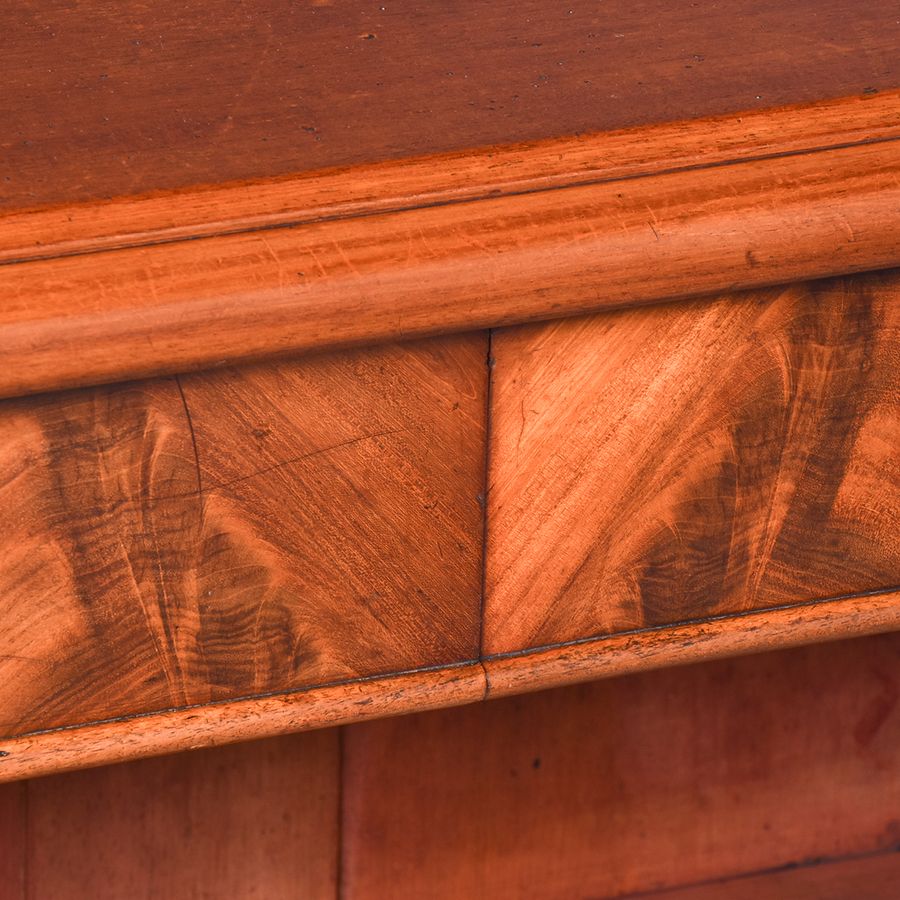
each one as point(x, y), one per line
point(672, 464)
point(94, 745)
point(133, 737)
point(654, 780)
point(444, 178)
point(171, 543)
point(724, 636)
point(867, 878)
point(13, 843)
point(102, 99)
point(256, 821)
point(193, 304)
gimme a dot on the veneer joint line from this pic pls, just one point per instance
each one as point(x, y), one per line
point(190, 424)
point(490, 362)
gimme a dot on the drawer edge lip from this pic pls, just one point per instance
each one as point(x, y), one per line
point(725, 636)
point(514, 234)
point(128, 738)
point(152, 734)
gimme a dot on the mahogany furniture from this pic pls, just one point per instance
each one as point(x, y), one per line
point(361, 360)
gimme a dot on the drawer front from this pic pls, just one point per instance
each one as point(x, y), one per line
point(238, 532)
point(675, 463)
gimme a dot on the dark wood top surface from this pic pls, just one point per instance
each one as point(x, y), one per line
point(103, 99)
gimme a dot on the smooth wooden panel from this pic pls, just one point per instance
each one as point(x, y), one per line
point(868, 878)
point(654, 780)
point(446, 178)
point(13, 842)
point(198, 303)
point(256, 821)
point(102, 98)
point(99, 527)
point(167, 544)
point(671, 464)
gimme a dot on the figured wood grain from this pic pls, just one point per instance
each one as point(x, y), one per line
point(624, 785)
point(872, 877)
point(180, 542)
point(254, 821)
point(445, 178)
point(676, 463)
point(192, 304)
point(103, 99)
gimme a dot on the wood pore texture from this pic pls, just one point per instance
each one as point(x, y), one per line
point(671, 464)
point(249, 531)
point(631, 784)
point(103, 99)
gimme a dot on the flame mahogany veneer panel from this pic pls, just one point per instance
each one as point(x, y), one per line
point(660, 779)
point(257, 530)
point(654, 466)
point(102, 99)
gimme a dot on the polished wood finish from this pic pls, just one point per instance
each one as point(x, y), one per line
point(241, 544)
point(411, 182)
point(134, 737)
point(716, 638)
point(253, 536)
point(341, 496)
point(679, 463)
point(222, 536)
point(221, 723)
point(193, 304)
point(257, 821)
point(103, 99)
point(874, 877)
point(712, 773)
point(650, 781)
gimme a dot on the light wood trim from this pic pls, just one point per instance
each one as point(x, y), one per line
point(623, 654)
point(192, 304)
point(181, 306)
point(99, 743)
point(445, 178)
